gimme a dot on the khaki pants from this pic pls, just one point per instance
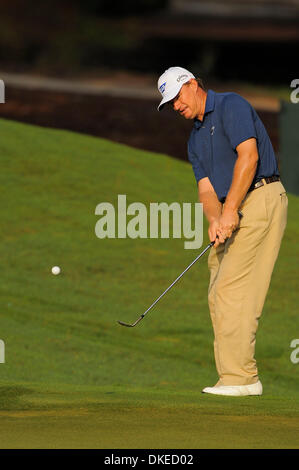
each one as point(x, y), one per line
point(241, 270)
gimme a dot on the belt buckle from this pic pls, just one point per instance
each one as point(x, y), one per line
point(260, 183)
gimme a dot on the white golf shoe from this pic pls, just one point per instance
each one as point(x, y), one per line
point(235, 390)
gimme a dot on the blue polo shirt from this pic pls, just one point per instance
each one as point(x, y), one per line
point(228, 120)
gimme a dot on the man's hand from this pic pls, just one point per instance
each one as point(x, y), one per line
point(212, 231)
point(228, 223)
point(223, 220)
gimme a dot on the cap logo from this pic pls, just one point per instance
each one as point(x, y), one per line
point(181, 77)
point(162, 87)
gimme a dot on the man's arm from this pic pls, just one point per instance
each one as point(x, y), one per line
point(244, 171)
point(212, 207)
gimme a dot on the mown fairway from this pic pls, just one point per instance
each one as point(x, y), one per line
point(74, 378)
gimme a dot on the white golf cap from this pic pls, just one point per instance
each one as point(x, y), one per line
point(170, 83)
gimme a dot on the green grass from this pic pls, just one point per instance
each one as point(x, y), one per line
point(73, 377)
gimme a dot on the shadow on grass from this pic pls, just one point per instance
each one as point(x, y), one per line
point(10, 396)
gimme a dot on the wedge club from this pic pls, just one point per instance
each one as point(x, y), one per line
point(171, 285)
point(168, 288)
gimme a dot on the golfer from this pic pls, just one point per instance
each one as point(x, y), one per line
point(236, 170)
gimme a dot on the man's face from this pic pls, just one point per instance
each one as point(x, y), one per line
point(185, 102)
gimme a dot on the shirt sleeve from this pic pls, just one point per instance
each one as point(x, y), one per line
point(238, 119)
point(198, 169)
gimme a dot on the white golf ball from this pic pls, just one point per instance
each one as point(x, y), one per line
point(56, 270)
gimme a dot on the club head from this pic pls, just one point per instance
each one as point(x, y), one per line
point(124, 324)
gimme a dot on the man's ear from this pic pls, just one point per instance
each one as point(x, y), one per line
point(193, 84)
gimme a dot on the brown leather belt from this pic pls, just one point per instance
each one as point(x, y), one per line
point(262, 182)
point(258, 184)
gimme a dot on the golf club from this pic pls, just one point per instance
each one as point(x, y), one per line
point(168, 288)
point(171, 285)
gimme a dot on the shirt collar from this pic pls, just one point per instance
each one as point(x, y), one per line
point(210, 105)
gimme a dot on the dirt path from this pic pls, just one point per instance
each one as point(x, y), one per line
point(121, 108)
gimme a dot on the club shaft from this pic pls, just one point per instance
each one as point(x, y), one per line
point(177, 279)
point(171, 285)
point(182, 274)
